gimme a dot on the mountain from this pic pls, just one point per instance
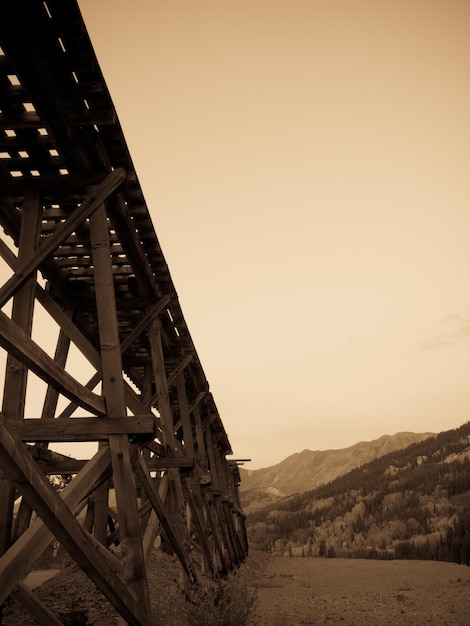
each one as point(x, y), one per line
point(410, 503)
point(305, 470)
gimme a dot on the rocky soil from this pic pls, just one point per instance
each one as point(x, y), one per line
point(360, 592)
point(289, 592)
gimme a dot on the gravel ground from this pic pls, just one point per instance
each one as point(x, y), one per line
point(289, 592)
point(363, 593)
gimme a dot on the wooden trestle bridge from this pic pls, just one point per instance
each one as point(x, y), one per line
point(80, 251)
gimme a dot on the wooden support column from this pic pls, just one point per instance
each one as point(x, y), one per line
point(169, 441)
point(224, 504)
point(114, 396)
point(185, 416)
point(201, 455)
point(16, 375)
point(220, 554)
point(219, 489)
point(23, 516)
point(170, 528)
point(159, 376)
point(192, 491)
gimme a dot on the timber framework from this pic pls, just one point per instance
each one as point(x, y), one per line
point(96, 348)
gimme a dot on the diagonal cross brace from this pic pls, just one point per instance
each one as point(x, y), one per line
point(48, 246)
point(19, 560)
point(20, 469)
point(23, 348)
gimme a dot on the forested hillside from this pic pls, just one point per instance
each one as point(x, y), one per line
point(412, 503)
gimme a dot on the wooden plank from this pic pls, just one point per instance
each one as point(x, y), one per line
point(88, 206)
point(17, 464)
point(16, 341)
point(82, 428)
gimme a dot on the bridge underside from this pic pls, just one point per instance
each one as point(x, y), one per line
point(96, 349)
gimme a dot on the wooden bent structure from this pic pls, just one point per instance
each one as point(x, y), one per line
point(85, 250)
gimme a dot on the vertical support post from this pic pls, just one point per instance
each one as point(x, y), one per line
point(114, 396)
point(185, 416)
point(166, 420)
point(201, 447)
point(23, 517)
point(16, 376)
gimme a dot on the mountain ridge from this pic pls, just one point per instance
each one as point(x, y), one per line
point(412, 503)
point(305, 470)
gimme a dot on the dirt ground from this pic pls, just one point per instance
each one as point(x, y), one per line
point(359, 592)
point(292, 592)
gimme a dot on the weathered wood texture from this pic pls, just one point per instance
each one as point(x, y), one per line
point(107, 360)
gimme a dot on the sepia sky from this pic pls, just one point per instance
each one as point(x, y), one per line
point(306, 166)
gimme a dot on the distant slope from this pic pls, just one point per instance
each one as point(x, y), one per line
point(410, 503)
point(305, 470)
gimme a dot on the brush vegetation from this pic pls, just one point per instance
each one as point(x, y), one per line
point(411, 503)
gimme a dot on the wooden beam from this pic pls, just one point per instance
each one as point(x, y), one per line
point(23, 554)
point(113, 390)
point(180, 368)
point(37, 609)
point(57, 313)
point(200, 397)
point(154, 464)
point(192, 492)
point(17, 464)
point(88, 206)
point(16, 341)
point(82, 428)
point(159, 508)
point(185, 415)
point(14, 395)
point(144, 323)
point(58, 185)
point(16, 373)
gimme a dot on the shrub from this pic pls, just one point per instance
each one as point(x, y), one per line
point(229, 602)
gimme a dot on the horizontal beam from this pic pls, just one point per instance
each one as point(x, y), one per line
point(51, 185)
point(73, 466)
point(82, 428)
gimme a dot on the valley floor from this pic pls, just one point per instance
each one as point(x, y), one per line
point(290, 592)
point(356, 592)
